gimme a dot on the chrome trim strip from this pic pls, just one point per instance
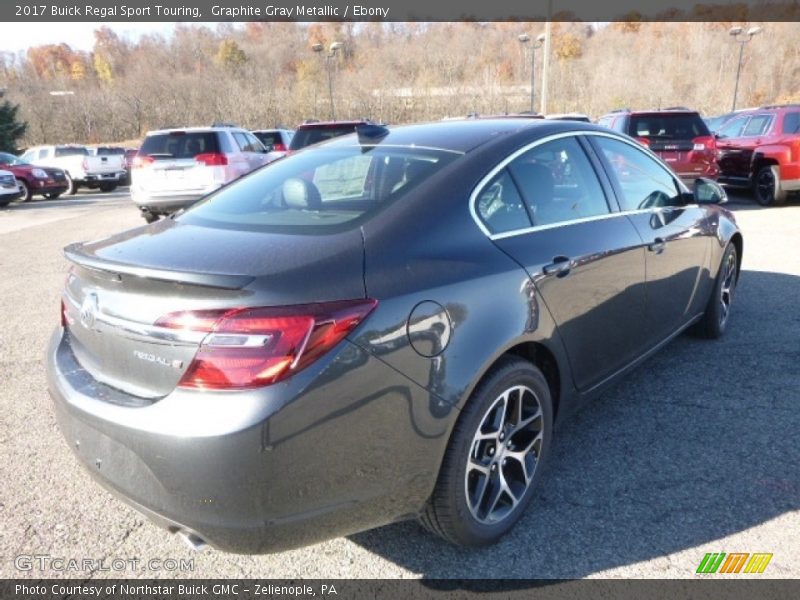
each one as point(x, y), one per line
point(500, 166)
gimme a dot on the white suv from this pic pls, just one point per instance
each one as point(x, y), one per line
point(176, 167)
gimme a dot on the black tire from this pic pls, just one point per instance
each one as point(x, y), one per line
point(448, 512)
point(149, 217)
point(108, 187)
point(53, 195)
point(716, 317)
point(767, 186)
point(72, 187)
point(26, 191)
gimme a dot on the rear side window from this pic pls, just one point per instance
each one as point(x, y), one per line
point(666, 126)
point(757, 125)
point(644, 182)
point(733, 128)
point(179, 144)
point(318, 191)
point(558, 183)
point(313, 135)
point(500, 206)
point(791, 122)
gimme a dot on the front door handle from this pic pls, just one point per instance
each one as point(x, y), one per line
point(559, 267)
point(657, 245)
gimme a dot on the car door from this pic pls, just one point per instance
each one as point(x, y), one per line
point(732, 164)
point(251, 149)
point(548, 209)
point(673, 231)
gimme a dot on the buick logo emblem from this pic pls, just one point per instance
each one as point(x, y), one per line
point(89, 311)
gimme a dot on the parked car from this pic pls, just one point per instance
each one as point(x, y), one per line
point(714, 123)
point(573, 116)
point(125, 179)
point(81, 168)
point(761, 149)
point(276, 141)
point(314, 132)
point(678, 135)
point(9, 189)
point(45, 181)
point(176, 167)
point(383, 326)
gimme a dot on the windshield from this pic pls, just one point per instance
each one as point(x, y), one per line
point(71, 151)
point(179, 144)
point(319, 191)
point(10, 159)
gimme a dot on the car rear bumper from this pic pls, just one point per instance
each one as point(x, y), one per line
point(102, 177)
point(164, 203)
point(345, 445)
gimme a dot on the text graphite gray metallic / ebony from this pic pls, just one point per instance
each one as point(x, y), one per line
point(382, 327)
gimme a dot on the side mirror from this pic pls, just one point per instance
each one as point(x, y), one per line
point(707, 191)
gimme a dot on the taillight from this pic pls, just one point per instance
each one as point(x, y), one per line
point(643, 141)
point(142, 161)
point(279, 147)
point(705, 143)
point(212, 159)
point(253, 347)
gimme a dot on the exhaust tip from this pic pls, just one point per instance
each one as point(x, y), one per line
point(194, 542)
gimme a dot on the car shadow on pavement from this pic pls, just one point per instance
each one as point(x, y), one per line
point(697, 444)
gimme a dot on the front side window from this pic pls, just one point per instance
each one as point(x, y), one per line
point(558, 183)
point(791, 122)
point(643, 181)
point(319, 191)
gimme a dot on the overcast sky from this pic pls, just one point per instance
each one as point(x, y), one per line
point(20, 36)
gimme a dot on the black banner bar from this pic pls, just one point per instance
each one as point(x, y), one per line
point(395, 10)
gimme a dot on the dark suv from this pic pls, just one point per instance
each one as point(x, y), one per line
point(761, 148)
point(314, 132)
point(678, 135)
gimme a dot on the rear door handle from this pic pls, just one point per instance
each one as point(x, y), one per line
point(657, 246)
point(559, 267)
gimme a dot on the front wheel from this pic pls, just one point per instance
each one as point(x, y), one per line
point(768, 186)
point(26, 190)
point(495, 456)
point(715, 319)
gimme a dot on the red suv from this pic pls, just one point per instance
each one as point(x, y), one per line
point(678, 135)
point(761, 148)
point(49, 182)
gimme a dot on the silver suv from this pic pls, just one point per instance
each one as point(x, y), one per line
point(176, 167)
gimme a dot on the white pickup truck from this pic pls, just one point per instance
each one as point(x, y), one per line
point(82, 169)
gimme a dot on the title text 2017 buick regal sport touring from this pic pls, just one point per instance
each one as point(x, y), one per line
point(383, 327)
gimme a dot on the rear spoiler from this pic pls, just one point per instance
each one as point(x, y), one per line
point(75, 254)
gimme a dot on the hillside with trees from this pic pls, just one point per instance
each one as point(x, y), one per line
point(266, 74)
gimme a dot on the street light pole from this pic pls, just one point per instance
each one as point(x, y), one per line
point(524, 39)
point(741, 37)
point(332, 49)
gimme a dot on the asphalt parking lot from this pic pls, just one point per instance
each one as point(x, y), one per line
point(697, 451)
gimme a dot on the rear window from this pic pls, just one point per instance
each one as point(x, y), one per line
point(268, 138)
point(313, 135)
point(71, 151)
point(665, 126)
point(324, 190)
point(179, 144)
point(109, 151)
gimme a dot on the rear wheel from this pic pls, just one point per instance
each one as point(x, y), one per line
point(72, 187)
point(715, 319)
point(53, 195)
point(108, 187)
point(26, 190)
point(767, 186)
point(495, 457)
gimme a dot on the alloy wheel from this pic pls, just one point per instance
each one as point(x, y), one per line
point(504, 455)
point(727, 288)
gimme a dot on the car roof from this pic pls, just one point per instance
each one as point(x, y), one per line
point(462, 135)
point(200, 129)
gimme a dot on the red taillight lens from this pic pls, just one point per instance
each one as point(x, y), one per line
point(212, 159)
point(278, 147)
point(643, 141)
point(253, 347)
point(705, 143)
point(142, 161)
